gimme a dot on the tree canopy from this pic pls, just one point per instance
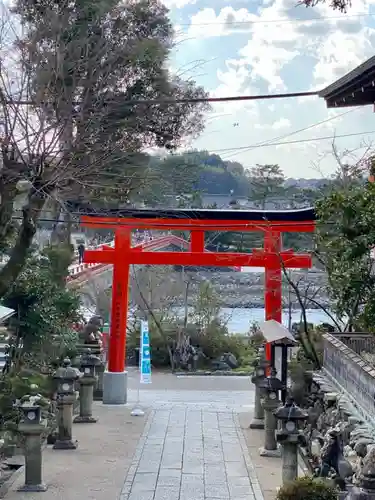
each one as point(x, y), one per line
point(68, 128)
point(45, 308)
point(341, 5)
point(345, 239)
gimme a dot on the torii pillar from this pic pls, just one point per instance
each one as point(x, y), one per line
point(115, 376)
point(272, 284)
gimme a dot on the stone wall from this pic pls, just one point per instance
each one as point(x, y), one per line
point(352, 375)
point(338, 440)
point(340, 401)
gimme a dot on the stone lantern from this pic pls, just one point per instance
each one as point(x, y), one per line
point(281, 341)
point(31, 428)
point(290, 437)
point(65, 377)
point(32, 414)
point(89, 362)
point(260, 365)
point(270, 387)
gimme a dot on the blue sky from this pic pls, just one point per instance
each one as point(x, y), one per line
point(256, 47)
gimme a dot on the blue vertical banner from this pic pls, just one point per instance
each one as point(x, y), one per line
point(145, 356)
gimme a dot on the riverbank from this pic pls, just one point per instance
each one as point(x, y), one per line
point(239, 320)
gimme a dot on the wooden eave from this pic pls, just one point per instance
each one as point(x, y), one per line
point(357, 88)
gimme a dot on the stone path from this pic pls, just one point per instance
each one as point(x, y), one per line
point(222, 401)
point(189, 446)
point(187, 453)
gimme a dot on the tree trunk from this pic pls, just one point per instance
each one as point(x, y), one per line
point(8, 193)
point(30, 214)
point(56, 214)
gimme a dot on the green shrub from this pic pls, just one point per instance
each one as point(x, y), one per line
point(214, 342)
point(307, 488)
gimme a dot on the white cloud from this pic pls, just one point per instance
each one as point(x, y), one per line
point(178, 4)
point(233, 82)
point(281, 123)
point(342, 52)
point(337, 42)
point(206, 23)
point(279, 49)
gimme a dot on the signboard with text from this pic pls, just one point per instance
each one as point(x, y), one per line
point(145, 356)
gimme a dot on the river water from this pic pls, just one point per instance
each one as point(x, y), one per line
point(239, 320)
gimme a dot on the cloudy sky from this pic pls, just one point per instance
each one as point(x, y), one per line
point(235, 47)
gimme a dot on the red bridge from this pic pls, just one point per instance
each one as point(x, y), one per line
point(79, 271)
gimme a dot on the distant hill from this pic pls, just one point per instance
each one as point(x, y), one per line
point(199, 178)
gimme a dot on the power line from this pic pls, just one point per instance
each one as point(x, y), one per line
point(269, 142)
point(277, 21)
point(289, 134)
point(134, 102)
point(238, 149)
point(262, 145)
point(297, 141)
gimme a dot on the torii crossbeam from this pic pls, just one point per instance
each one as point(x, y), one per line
point(271, 257)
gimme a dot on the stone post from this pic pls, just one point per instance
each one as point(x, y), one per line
point(32, 429)
point(270, 402)
point(98, 389)
point(66, 396)
point(290, 437)
point(260, 364)
point(86, 389)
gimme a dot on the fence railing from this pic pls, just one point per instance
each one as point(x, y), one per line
point(360, 343)
point(352, 373)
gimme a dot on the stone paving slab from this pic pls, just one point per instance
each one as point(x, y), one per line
point(192, 447)
point(213, 400)
point(267, 469)
point(187, 454)
point(96, 469)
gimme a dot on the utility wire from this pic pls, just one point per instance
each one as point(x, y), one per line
point(237, 150)
point(244, 148)
point(269, 142)
point(134, 102)
point(298, 141)
point(277, 21)
point(289, 134)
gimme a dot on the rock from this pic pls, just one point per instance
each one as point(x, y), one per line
point(344, 467)
point(360, 447)
point(338, 436)
point(230, 359)
point(219, 364)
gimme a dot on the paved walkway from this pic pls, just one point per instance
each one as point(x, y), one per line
point(191, 454)
point(191, 448)
point(97, 468)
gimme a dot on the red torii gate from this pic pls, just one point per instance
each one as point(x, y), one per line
point(272, 258)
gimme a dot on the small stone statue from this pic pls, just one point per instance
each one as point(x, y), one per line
point(332, 458)
point(91, 333)
point(329, 454)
